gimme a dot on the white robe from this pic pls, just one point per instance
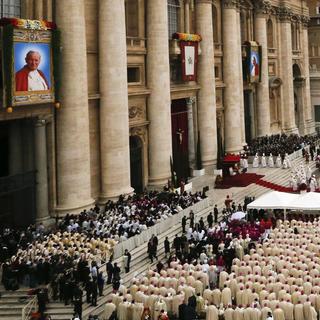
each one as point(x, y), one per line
point(270, 161)
point(255, 163)
point(263, 161)
point(279, 162)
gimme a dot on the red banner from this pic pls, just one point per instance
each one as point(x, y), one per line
point(189, 59)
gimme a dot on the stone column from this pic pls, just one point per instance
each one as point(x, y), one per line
point(38, 9)
point(233, 93)
point(114, 118)
point(240, 82)
point(40, 152)
point(191, 144)
point(159, 102)
point(73, 150)
point(207, 123)
point(27, 9)
point(15, 148)
point(263, 103)
point(187, 16)
point(288, 113)
point(48, 10)
point(309, 122)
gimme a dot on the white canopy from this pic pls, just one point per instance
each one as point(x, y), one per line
point(307, 201)
point(273, 200)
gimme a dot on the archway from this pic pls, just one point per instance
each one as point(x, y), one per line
point(298, 83)
point(180, 148)
point(136, 163)
point(17, 174)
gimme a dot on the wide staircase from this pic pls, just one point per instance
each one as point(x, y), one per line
point(140, 262)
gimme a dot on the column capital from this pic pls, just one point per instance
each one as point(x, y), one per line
point(284, 14)
point(230, 4)
point(191, 100)
point(39, 122)
point(262, 7)
point(304, 21)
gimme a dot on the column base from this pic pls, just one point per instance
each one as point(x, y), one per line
point(114, 196)
point(159, 182)
point(46, 221)
point(74, 209)
point(234, 150)
point(310, 127)
point(209, 166)
point(291, 130)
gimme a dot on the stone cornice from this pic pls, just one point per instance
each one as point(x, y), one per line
point(230, 4)
point(262, 7)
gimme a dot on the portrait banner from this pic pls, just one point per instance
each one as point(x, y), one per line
point(189, 59)
point(253, 62)
point(28, 64)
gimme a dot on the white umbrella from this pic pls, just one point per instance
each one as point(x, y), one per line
point(238, 215)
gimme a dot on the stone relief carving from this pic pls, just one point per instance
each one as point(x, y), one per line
point(137, 113)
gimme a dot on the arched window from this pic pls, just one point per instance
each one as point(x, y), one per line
point(10, 8)
point(173, 16)
point(270, 34)
point(132, 18)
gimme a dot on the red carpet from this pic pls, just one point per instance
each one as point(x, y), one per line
point(273, 186)
point(277, 187)
point(239, 180)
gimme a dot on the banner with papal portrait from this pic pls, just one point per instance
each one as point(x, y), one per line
point(28, 49)
point(253, 62)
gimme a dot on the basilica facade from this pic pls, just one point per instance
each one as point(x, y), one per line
point(128, 114)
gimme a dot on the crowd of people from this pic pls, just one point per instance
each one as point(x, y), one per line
point(68, 256)
point(276, 276)
point(280, 144)
point(302, 178)
point(196, 261)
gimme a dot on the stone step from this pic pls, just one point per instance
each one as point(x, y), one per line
point(12, 317)
point(10, 312)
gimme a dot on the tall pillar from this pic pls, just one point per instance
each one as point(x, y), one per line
point(233, 93)
point(309, 122)
point(207, 123)
point(263, 102)
point(159, 102)
point(38, 9)
point(288, 113)
point(191, 144)
point(187, 16)
point(48, 10)
point(240, 82)
point(40, 152)
point(114, 118)
point(15, 148)
point(73, 150)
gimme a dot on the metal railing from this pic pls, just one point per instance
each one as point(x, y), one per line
point(29, 308)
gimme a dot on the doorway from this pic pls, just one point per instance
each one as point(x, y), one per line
point(248, 114)
point(136, 163)
point(17, 187)
point(180, 150)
